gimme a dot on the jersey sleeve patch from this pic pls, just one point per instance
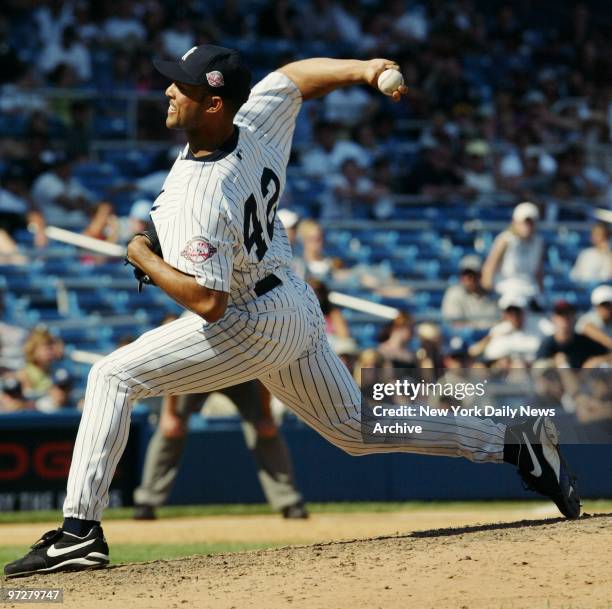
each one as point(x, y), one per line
point(198, 250)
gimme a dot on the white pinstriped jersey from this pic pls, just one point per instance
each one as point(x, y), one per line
point(216, 220)
point(216, 215)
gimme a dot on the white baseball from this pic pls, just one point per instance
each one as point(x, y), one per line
point(390, 81)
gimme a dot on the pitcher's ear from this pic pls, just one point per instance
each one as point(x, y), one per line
point(214, 104)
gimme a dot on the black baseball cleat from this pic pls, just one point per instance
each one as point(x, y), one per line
point(541, 464)
point(143, 511)
point(61, 551)
point(296, 511)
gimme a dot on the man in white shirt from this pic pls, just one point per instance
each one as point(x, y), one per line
point(68, 51)
point(329, 153)
point(63, 200)
point(597, 323)
point(517, 337)
point(467, 302)
point(349, 107)
point(123, 25)
point(595, 263)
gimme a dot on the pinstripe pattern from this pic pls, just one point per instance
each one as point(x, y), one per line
point(278, 338)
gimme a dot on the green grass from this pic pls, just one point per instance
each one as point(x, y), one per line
point(180, 511)
point(128, 553)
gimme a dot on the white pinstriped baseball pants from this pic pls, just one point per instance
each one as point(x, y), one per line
point(279, 339)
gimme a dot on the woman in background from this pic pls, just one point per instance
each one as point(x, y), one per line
point(515, 263)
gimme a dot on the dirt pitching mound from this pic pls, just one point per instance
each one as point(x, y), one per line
point(529, 564)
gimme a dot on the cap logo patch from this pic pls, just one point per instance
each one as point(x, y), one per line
point(198, 250)
point(215, 78)
point(189, 52)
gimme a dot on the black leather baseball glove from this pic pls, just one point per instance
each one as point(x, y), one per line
point(155, 247)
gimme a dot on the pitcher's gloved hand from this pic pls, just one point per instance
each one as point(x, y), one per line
point(155, 247)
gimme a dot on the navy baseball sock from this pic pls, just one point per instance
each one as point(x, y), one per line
point(78, 527)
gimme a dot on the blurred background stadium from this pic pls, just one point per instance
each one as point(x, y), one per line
point(403, 216)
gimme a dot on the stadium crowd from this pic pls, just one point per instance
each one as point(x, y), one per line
point(503, 106)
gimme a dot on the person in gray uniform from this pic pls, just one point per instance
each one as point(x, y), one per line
point(262, 437)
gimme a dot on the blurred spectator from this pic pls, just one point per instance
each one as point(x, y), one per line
point(317, 19)
point(51, 19)
point(104, 225)
point(317, 159)
point(122, 74)
point(79, 132)
point(349, 106)
point(429, 355)
point(278, 20)
point(436, 175)
point(347, 22)
point(456, 356)
point(329, 152)
point(584, 180)
point(290, 220)
point(123, 27)
point(348, 352)
point(352, 191)
point(230, 20)
point(88, 28)
point(515, 340)
point(17, 209)
point(336, 327)
point(527, 168)
point(478, 174)
point(178, 38)
point(9, 251)
point(594, 405)
point(137, 221)
point(41, 351)
point(395, 340)
point(314, 262)
point(59, 395)
point(12, 340)
point(409, 25)
point(514, 264)
point(69, 51)
point(550, 389)
point(542, 124)
point(151, 184)
point(365, 148)
point(12, 398)
point(21, 96)
point(468, 303)
point(447, 86)
point(567, 347)
point(597, 323)
point(369, 358)
point(595, 263)
point(60, 196)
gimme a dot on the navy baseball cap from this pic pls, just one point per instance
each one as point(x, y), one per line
point(215, 68)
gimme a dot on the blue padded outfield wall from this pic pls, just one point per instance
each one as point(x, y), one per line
point(217, 467)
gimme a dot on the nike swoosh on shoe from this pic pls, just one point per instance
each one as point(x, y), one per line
point(537, 468)
point(53, 552)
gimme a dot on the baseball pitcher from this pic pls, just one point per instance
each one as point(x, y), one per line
point(223, 255)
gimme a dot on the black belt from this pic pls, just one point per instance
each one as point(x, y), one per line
point(263, 286)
